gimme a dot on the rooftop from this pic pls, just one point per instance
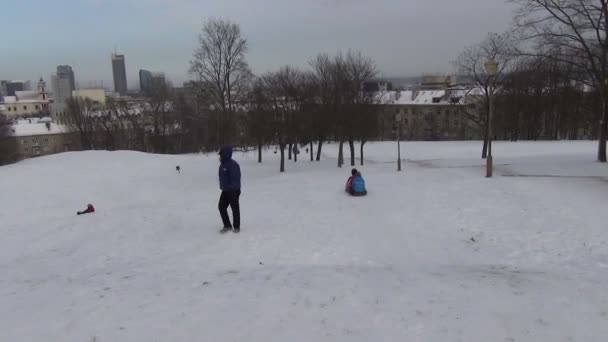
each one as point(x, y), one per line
point(422, 97)
point(32, 127)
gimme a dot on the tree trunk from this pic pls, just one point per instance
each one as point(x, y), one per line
point(282, 148)
point(362, 144)
point(601, 151)
point(289, 151)
point(295, 154)
point(319, 148)
point(486, 134)
point(341, 154)
point(259, 152)
point(351, 144)
point(312, 154)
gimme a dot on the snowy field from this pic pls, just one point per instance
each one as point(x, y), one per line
point(435, 253)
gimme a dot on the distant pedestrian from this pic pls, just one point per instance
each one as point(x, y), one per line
point(178, 169)
point(230, 184)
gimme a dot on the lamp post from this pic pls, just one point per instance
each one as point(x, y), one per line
point(398, 119)
point(491, 67)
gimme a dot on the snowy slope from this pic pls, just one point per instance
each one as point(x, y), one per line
point(310, 264)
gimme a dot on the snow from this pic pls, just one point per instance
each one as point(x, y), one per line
point(10, 99)
point(434, 253)
point(24, 128)
point(422, 97)
point(27, 96)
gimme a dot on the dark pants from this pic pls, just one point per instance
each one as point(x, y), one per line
point(230, 198)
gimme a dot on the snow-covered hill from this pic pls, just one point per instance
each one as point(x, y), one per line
point(435, 253)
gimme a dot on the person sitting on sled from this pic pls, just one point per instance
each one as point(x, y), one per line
point(356, 184)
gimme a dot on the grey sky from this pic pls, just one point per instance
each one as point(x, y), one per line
point(405, 37)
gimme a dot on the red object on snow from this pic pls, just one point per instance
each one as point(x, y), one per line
point(90, 209)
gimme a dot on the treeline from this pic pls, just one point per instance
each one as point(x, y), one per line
point(552, 80)
point(290, 108)
point(550, 84)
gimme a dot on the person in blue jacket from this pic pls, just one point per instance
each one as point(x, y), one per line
point(356, 184)
point(230, 184)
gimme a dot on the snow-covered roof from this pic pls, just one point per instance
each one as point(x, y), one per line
point(27, 95)
point(422, 97)
point(23, 98)
point(31, 127)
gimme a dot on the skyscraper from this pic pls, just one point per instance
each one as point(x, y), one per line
point(120, 74)
point(3, 91)
point(62, 88)
point(14, 86)
point(65, 71)
point(63, 83)
point(151, 81)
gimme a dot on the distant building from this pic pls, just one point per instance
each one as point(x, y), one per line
point(150, 81)
point(426, 115)
point(120, 74)
point(438, 82)
point(66, 71)
point(10, 88)
point(63, 84)
point(39, 137)
point(3, 89)
point(27, 103)
point(96, 95)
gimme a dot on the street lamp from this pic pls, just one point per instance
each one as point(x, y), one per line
point(491, 67)
point(398, 119)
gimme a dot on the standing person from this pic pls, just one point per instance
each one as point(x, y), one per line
point(230, 184)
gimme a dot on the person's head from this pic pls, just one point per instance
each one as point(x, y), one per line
point(225, 153)
point(354, 172)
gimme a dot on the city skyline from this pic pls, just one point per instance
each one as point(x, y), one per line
point(405, 38)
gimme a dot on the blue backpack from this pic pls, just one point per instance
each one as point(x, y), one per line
point(358, 184)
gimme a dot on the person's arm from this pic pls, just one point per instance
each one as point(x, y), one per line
point(234, 175)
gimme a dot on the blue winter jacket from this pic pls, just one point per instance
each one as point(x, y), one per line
point(230, 171)
point(358, 184)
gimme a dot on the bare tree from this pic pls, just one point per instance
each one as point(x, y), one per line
point(286, 94)
point(541, 99)
point(192, 125)
point(578, 29)
point(221, 68)
point(260, 114)
point(359, 71)
point(8, 145)
point(159, 111)
point(324, 73)
point(470, 63)
point(126, 124)
point(81, 120)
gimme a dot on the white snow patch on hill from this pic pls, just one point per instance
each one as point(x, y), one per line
point(435, 253)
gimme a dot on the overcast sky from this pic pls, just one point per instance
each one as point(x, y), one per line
point(404, 37)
